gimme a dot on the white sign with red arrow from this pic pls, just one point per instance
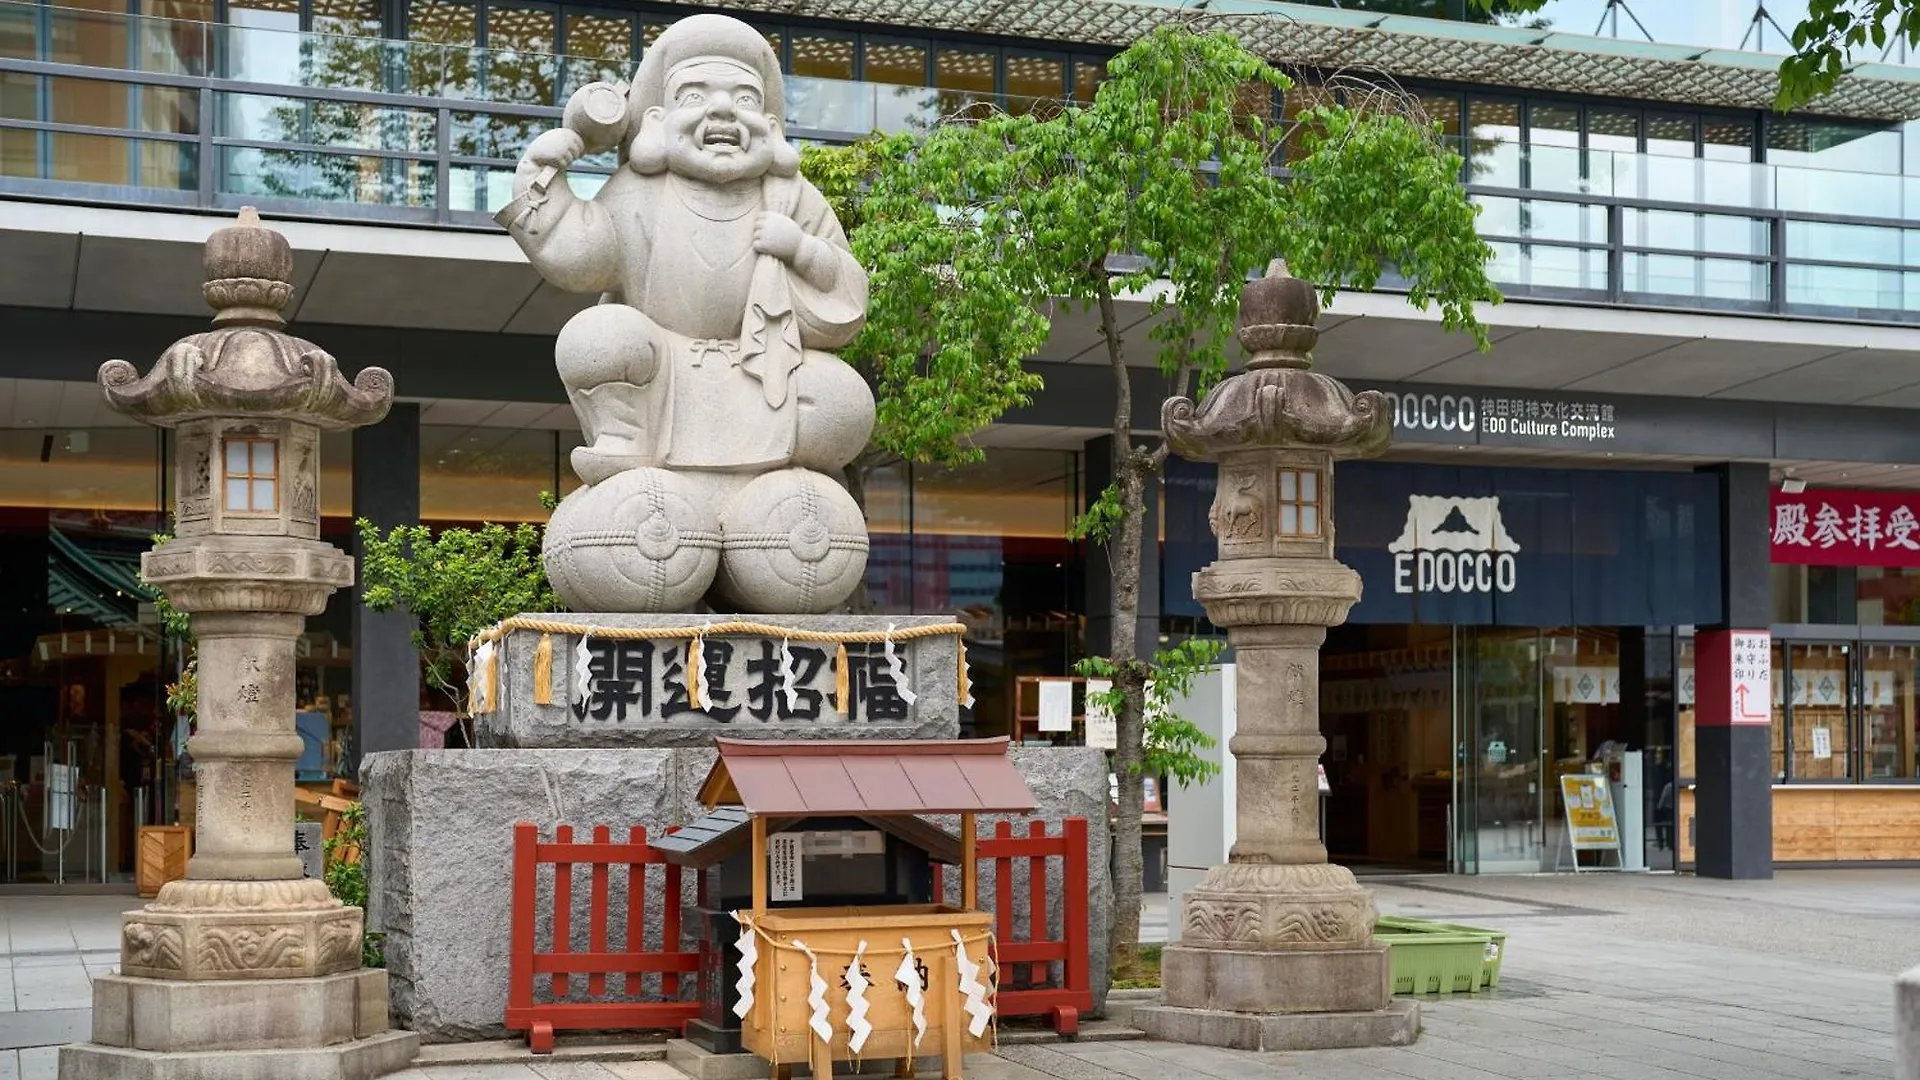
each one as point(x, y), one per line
point(1752, 659)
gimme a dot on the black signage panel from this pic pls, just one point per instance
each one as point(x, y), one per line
point(1497, 547)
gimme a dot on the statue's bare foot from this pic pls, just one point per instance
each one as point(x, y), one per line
point(605, 457)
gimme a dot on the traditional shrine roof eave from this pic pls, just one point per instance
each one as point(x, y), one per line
point(723, 833)
point(1406, 46)
point(868, 778)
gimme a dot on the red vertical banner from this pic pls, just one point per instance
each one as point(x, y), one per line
point(1733, 678)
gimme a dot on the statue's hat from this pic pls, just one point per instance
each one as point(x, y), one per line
point(719, 37)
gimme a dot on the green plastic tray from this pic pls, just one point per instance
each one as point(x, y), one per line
point(1439, 958)
point(1496, 943)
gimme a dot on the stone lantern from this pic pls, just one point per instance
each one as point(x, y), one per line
point(1276, 949)
point(245, 968)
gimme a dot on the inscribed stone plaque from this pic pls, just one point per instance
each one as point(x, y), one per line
point(634, 692)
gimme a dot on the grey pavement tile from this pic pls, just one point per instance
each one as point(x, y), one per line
point(1418, 1067)
point(644, 1070)
point(571, 1070)
point(9, 1065)
point(1085, 1066)
point(46, 1027)
point(22, 961)
point(480, 1072)
point(40, 1063)
point(52, 988)
point(1493, 1062)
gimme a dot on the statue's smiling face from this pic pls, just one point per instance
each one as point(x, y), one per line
point(717, 126)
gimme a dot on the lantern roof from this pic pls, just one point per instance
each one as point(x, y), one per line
point(1278, 401)
point(247, 365)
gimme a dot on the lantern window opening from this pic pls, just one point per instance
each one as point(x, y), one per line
point(1299, 502)
point(252, 475)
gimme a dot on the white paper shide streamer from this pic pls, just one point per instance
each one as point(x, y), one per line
point(966, 676)
point(789, 677)
point(857, 1023)
point(899, 669)
point(908, 976)
point(971, 986)
point(749, 957)
point(816, 994)
point(582, 677)
point(478, 676)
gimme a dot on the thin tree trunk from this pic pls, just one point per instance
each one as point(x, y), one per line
point(1123, 554)
point(1129, 753)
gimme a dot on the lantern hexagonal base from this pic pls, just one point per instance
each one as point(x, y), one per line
point(241, 930)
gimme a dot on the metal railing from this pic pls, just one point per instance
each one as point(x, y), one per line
point(126, 110)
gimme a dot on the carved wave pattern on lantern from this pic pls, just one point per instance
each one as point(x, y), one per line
point(1279, 407)
point(251, 371)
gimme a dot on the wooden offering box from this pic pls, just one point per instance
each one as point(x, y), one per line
point(903, 949)
point(833, 934)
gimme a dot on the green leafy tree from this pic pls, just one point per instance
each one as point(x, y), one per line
point(1833, 34)
point(948, 327)
point(1163, 188)
point(346, 874)
point(1172, 742)
point(454, 583)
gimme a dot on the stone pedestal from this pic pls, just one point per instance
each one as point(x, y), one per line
point(244, 970)
point(1276, 948)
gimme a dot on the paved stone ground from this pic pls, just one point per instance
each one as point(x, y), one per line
point(1616, 977)
point(54, 946)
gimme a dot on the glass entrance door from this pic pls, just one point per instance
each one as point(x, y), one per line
point(1500, 699)
point(1822, 698)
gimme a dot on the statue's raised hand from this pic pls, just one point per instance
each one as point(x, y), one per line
point(556, 150)
point(777, 235)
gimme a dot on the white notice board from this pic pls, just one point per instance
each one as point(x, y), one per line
point(1103, 731)
point(1056, 705)
point(783, 852)
point(1752, 660)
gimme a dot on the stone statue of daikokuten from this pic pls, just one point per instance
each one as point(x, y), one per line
point(716, 416)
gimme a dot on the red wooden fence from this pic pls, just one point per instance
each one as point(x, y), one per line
point(629, 966)
point(1028, 985)
point(1028, 964)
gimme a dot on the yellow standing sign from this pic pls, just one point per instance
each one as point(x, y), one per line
point(1591, 824)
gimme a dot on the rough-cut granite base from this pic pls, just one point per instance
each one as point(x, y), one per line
point(518, 722)
point(1396, 1025)
point(441, 824)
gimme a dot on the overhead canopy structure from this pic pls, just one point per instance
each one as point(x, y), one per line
point(866, 778)
point(1407, 46)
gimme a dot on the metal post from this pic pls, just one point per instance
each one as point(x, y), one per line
point(106, 869)
point(442, 166)
point(208, 153)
